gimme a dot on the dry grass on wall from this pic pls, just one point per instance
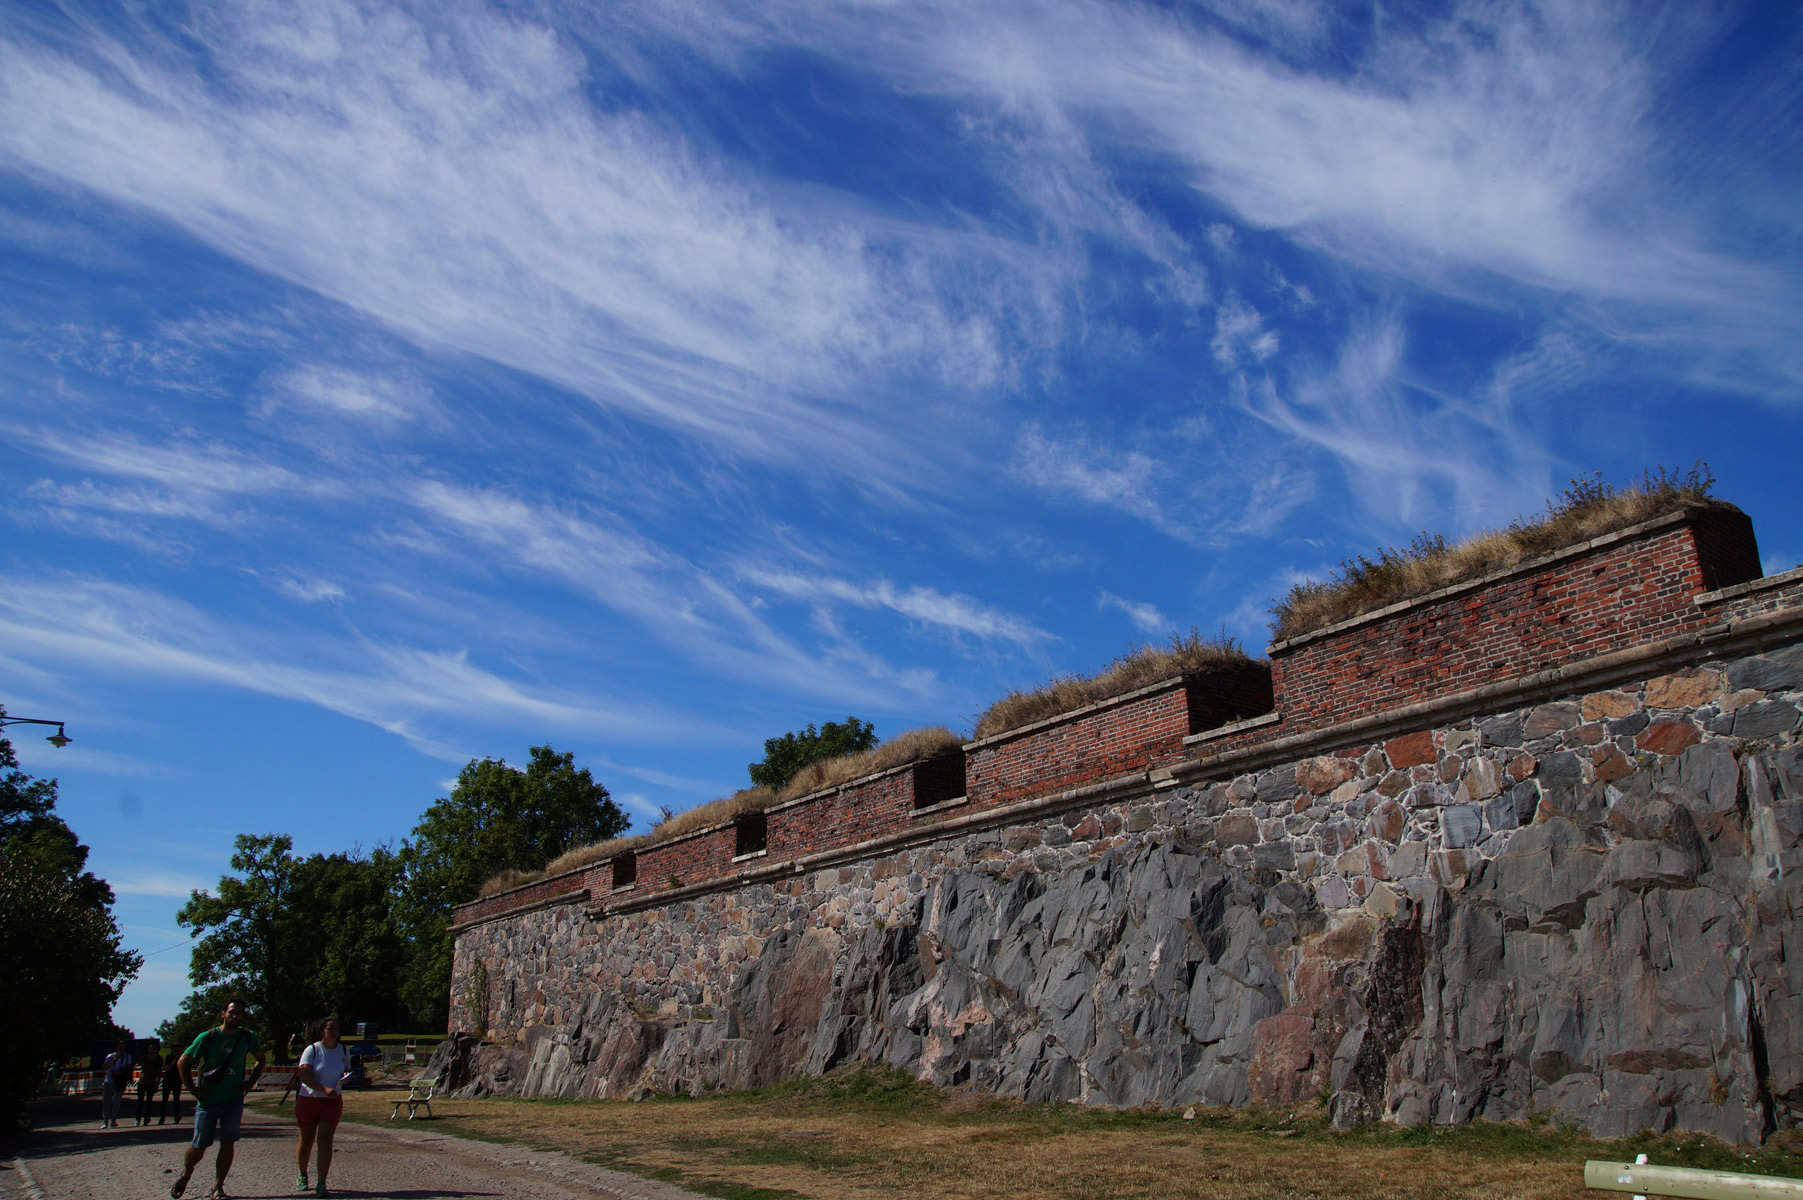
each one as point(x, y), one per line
point(594, 852)
point(714, 812)
point(1587, 509)
point(912, 746)
point(502, 881)
point(1140, 667)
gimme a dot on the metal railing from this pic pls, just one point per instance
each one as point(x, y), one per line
point(1644, 1179)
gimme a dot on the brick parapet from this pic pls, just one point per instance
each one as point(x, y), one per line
point(1623, 589)
point(1141, 730)
point(1659, 592)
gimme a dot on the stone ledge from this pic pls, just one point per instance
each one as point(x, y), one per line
point(1782, 579)
point(1233, 727)
point(943, 805)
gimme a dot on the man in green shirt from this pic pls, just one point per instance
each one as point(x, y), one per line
point(213, 1069)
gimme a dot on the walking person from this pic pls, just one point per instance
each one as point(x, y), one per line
point(115, 1078)
point(319, 1106)
point(172, 1089)
point(213, 1069)
point(150, 1074)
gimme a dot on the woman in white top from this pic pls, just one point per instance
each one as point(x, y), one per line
point(323, 1066)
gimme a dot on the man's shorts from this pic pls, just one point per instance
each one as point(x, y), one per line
point(221, 1121)
point(318, 1110)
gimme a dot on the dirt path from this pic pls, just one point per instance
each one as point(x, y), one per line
point(71, 1158)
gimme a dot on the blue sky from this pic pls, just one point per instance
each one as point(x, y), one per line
point(382, 387)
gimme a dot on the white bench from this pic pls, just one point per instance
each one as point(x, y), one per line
point(419, 1095)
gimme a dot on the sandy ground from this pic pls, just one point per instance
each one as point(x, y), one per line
point(70, 1157)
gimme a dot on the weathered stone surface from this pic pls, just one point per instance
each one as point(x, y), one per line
point(1460, 826)
point(1766, 719)
point(1686, 689)
point(1550, 719)
point(1668, 737)
point(1610, 938)
point(1561, 770)
point(1236, 829)
point(1481, 779)
point(1411, 749)
point(1774, 671)
point(1502, 731)
point(1610, 764)
point(1387, 821)
point(1600, 706)
point(1318, 776)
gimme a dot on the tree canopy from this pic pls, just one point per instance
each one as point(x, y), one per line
point(64, 966)
point(298, 938)
point(366, 936)
point(496, 817)
point(786, 755)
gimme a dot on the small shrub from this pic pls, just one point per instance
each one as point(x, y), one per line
point(912, 746)
point(1587, 508)
point(1139, 667)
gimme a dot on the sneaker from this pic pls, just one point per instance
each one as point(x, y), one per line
point(321, 1189)
point(300, 1183)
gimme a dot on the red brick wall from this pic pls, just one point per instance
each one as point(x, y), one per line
point(843, 817)
point(532, 893)
point(1144, 732)
point(690, 859)
point(1620, 595)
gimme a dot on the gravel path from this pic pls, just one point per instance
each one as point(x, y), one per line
point(71, 1158)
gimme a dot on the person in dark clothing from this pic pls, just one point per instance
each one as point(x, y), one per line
point(172, 1089)
point(150, 1074)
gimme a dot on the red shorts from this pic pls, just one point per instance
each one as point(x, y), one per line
point(318, 1110)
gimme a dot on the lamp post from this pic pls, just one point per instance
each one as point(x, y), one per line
point(59, 739)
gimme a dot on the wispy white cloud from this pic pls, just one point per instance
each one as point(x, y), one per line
point(299, 586)
point(156, 883)
point(417, 694)
point(191, 467)
point(1240, 333)
point(950, 611)
point(1083, 471)
point(78, 757)
point(336, 391)
point(1407, 450)
point(1145, 616)
point(453, 180)
point(1489, 152)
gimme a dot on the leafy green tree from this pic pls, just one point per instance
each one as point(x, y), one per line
point(61, 964)
point(245, 934)
point(497, 817)
point(345, 903)
point(785, 756)
point(296, 937)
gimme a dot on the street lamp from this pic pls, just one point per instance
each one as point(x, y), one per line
point(59, 739)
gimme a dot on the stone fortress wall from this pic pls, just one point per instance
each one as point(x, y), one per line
point(1532, 844)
